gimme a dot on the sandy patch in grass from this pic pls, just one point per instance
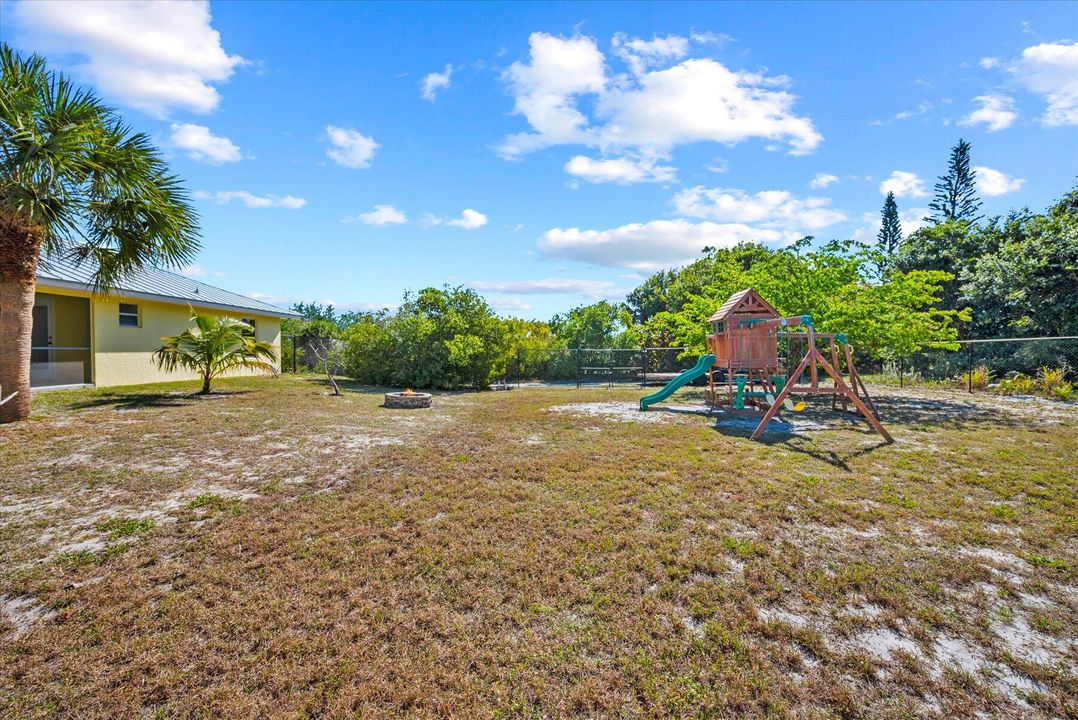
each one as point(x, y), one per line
point(616, 411)
point(22, 612)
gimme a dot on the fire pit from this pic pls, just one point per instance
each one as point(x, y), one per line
point(407, 399)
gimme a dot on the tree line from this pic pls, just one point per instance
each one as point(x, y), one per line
point(957, 278)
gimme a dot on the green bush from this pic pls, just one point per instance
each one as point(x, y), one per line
point(445, 339)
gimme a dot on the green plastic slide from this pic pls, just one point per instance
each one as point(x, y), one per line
point(702, 366)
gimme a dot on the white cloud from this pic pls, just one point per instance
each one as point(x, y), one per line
point(197, 271)
point(623, 171)
point(922, 108)
point(552, 286)
point(993, 182)
point(650, 111)
point(349, 147)
point(380, 215)
point(203, 145)
point(988, 62)
point(719, 166)
point(1051, 70)
point(650, 246)
point(509, 304)
point(909, 220)
point(996, 112)
point(469, 220)
point(640, 55)
point(545, 90)
point(770, 209)
point(153, 56)
point(224, 197)
point(433, 82)
point(903, 184)
point(822, 180)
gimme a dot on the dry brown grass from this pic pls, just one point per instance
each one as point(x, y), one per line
point(274, 551)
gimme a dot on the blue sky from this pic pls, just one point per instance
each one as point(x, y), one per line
point(554, 154)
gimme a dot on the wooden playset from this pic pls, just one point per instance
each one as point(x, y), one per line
point(749, 376)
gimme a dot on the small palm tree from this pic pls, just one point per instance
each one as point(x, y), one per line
point(213, 347)
point(74, 182)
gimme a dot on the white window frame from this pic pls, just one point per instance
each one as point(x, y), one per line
point(137, 315)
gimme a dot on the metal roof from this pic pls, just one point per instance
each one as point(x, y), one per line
point(153, 284)
point(748, 297)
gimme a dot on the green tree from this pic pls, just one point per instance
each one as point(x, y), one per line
point(599, 325)
point(956, 192)
point(216, 345)
point(74, 181)
point(1028, 284)
point(890, 236)
point(952, 247)
point(441, 338)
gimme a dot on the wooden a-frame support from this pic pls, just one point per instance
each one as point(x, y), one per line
point(813, 359)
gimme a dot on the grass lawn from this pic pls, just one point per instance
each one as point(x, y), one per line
point(274, 551)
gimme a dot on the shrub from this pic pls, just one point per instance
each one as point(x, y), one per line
point(980, 377)
point(1062, 391)
point(446, 338)
point(1017, 384)
point(1049, 379)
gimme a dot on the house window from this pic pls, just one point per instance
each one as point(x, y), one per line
point(129, 315)
point(253, 324)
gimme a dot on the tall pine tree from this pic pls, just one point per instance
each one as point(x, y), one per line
point(956, 192)
point(890, 235)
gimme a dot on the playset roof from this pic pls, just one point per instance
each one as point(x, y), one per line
point(744, 302)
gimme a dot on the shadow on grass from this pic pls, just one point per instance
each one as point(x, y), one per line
point(138, 401)
point(901, 410)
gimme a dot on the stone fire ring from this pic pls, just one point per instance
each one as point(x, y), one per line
point(407, 400)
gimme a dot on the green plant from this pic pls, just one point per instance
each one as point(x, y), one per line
point(74, 181)
point(980, 377)
point(1050, 378)
point(1017, 384)
point(119, 527)
point(215, 346)
point(1062, 391)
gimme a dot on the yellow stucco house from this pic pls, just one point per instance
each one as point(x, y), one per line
point(81, 337)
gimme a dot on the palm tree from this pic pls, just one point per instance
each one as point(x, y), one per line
point(213, 347)
point(74, 182)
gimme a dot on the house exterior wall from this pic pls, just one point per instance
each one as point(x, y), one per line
point(124, 355)
point(68, 360)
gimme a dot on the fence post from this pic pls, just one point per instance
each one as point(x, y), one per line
point(294, 366)
point(644, 366)
point(518, 367)
point(901, 378)
point(576, 353)
point(610, 364)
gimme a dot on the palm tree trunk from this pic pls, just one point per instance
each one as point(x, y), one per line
point(20, 247)
point(205, 384)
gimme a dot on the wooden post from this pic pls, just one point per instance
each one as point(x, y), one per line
point(812, 366)
point(644, 365)
point(834, 361)
point(774, 409)
point(876, 425)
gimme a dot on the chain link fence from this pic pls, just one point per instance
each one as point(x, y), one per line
point(585, 366)
point(1006, 365)
point(1046, 366)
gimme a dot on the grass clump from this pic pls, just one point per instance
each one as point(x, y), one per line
point(119, 527)
point(216, 503)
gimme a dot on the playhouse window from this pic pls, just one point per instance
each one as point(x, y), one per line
point(720, 327)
